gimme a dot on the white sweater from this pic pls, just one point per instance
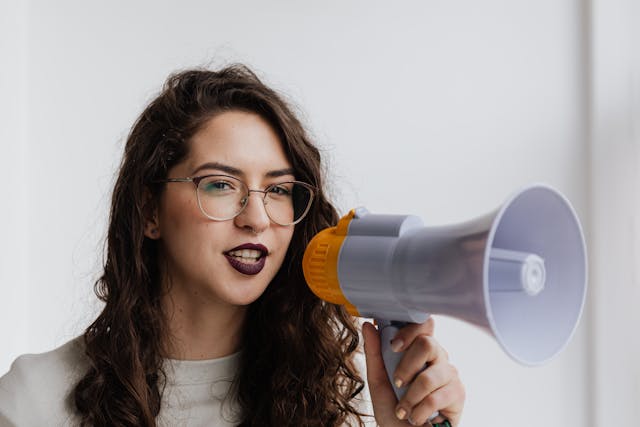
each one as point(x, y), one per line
point(36, 390)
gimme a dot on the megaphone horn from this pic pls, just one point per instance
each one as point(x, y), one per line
point(520, 272)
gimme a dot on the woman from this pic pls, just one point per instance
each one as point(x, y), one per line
point(207, 317)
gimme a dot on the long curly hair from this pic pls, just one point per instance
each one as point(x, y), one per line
point(296, 366)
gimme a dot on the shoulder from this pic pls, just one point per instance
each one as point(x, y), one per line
point(36, 389)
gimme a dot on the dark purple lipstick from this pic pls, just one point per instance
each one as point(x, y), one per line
point(248, 258)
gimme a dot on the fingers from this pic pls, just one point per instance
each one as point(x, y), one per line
point(436, 388)
point(373, 356)
point(407, 334)
point(449, 397)
point(383, 397)
point(423, 350)
point(427, 382)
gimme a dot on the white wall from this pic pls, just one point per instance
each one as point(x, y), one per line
point(615, 210)
point(436, 108)
point(14, 225)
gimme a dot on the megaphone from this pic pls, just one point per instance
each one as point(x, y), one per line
point(519, 273)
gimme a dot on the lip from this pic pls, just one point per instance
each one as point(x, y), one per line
point(245, 268)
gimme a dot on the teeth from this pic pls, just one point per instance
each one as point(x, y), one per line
point(246, 253)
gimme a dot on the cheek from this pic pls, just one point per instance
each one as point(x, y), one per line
point(180, 219)
point(284, 240)
point(286, 237)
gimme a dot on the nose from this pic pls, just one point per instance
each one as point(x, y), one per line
point(254, 215)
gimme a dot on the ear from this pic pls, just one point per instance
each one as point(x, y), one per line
point(151, 229)
point(151, 223)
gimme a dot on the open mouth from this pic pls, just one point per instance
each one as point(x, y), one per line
point(248, 258)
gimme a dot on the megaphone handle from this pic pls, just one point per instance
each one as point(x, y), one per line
point(388, 330)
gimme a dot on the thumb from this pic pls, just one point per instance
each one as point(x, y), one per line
point(383, 397)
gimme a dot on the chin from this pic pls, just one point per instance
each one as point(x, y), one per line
point(246, 294)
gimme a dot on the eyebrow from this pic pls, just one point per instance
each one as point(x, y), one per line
point(235, 171)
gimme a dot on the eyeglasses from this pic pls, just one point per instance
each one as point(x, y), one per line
point(223, 197)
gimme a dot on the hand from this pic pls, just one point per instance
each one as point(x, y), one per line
point(437, 388)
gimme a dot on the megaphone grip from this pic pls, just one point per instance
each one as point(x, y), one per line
point(387, 331)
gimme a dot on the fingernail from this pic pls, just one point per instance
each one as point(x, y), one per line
point(396, 345)
point(401, 413)
point(398, 382)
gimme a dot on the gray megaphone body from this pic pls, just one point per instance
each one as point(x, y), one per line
point(519, 273)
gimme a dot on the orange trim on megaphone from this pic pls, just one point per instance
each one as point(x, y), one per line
point(320, 263)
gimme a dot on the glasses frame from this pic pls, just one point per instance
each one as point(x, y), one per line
point(245, 201)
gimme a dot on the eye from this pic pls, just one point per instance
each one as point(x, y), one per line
point(280, 190)
point(215, 185)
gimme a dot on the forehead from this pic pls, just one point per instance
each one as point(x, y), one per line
point(242, 140)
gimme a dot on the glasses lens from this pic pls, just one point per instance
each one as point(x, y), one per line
point(221, 197)
point(288, 202)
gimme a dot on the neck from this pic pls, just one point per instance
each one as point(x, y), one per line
point(201, 329)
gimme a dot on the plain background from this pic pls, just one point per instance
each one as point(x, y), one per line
point(436, 108)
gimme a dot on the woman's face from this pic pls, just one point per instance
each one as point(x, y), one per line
point(205, 258)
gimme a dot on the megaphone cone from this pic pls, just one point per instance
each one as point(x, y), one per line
point(519, 273)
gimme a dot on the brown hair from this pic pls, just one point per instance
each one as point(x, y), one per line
point(296, 365)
